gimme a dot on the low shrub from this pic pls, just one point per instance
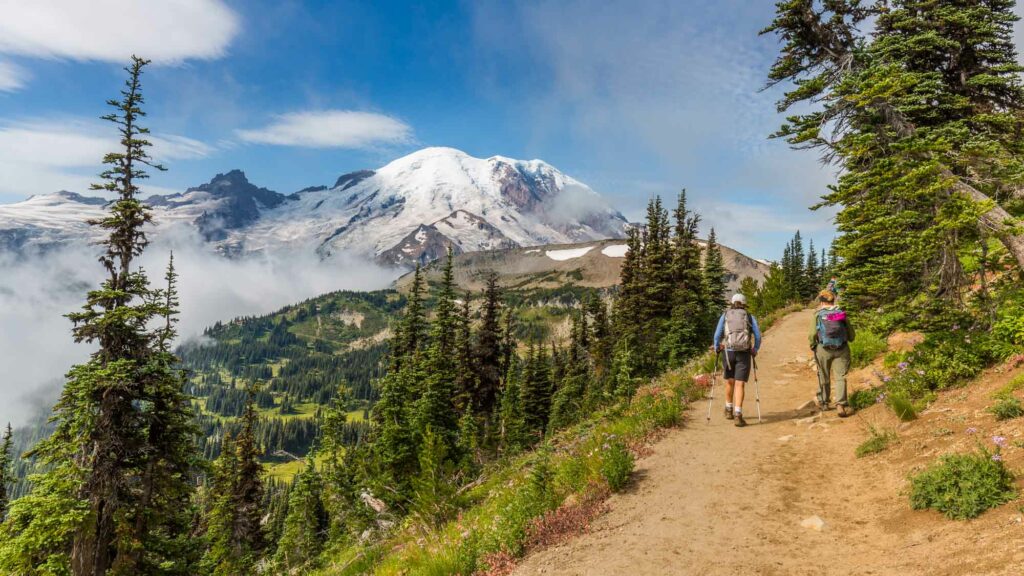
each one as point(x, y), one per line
point(962, 486)
point(1010, 327)
point(902, 406)
point(1006, 408)
point(1010, 387)
point(866, 348)
point(617, 465)
point(862, 399)
point(877, 441)
point(944, 360)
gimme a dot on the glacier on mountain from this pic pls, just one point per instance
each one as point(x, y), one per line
point(410, 210)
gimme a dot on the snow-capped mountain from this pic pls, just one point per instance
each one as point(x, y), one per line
point(410, 210)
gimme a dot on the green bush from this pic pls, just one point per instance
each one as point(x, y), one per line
point(902, 406)
point(617, 465)
point(862, 399)
point(877, 441)
point(1006, 408)
point(944, 360)
point(963, 486)
point(866, 348)
point(1010, 328)
point(1010, 387)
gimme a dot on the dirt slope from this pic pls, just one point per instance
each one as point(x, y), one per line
point(592, 264)
point(715, 499)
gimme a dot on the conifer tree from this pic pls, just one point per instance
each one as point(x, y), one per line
point(249, 490)
point(234, 533)
point(468, 443)
point(466, 376)
point(812, 273)
point(657, 263)
point(924, 115)
point(116, 466)
point(433, 487)
point(535, 390)
point(685, 334)
point(394, 445)
point(6, 477)
point(410, 336)
point(346, 514)
point(516, 432)
point(435, 408)
point(487, 350)
point(571, 398)
point(714, 274)
point(628, 310)
point(302, 537)
point(600, 340)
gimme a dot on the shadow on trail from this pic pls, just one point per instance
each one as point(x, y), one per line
point(773, 417)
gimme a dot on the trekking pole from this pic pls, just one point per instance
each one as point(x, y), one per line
point(757, 391)
point(714, 378)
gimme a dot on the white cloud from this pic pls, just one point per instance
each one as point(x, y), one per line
point(36, 347)
point(11, 77)
point(165, 31)
point(330, 129)
point(42, 156)
point(660, 91)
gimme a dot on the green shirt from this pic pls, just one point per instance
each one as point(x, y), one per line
point(813, 338)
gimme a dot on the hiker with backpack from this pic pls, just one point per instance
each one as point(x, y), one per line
point(833, 287)
point(739, 336)
point(830, 340)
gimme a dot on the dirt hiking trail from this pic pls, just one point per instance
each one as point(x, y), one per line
point(716, 499)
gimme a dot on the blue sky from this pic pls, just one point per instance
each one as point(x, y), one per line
point(635, 98)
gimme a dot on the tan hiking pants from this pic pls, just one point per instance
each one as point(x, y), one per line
point(832, 363)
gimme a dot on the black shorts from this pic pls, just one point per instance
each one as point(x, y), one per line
point(737, 365)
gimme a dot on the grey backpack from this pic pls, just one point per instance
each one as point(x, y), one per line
point(738, 332)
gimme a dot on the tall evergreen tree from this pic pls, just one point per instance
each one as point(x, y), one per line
point(685, 334)
point(435, 409)
point(234, 528)
point(394, 443)
point(925, 118)
point(812, 273)
point(488, 353)
point(516, 431)
point(346, 513)
point(302, 537)
point(410, 336)
point(714, 274)
point(6, 476)
point(466, 376)
point(100, 507)
point(535, 390)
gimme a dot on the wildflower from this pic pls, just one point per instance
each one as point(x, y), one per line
point(956, 327)
point(920, 372)
point(999, 441)
point(880, 398)
point(997, 458)
point(902, 365)
point(886, 379)
point(972, 430)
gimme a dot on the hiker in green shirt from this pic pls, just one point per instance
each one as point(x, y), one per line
point(829, 339)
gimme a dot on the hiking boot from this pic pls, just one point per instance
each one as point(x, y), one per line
point(728, 413)
point(740, 422)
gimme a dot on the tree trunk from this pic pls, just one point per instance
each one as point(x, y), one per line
point(996, 219)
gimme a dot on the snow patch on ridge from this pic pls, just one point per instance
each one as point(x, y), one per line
point(569, 254)
point(615, 251)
